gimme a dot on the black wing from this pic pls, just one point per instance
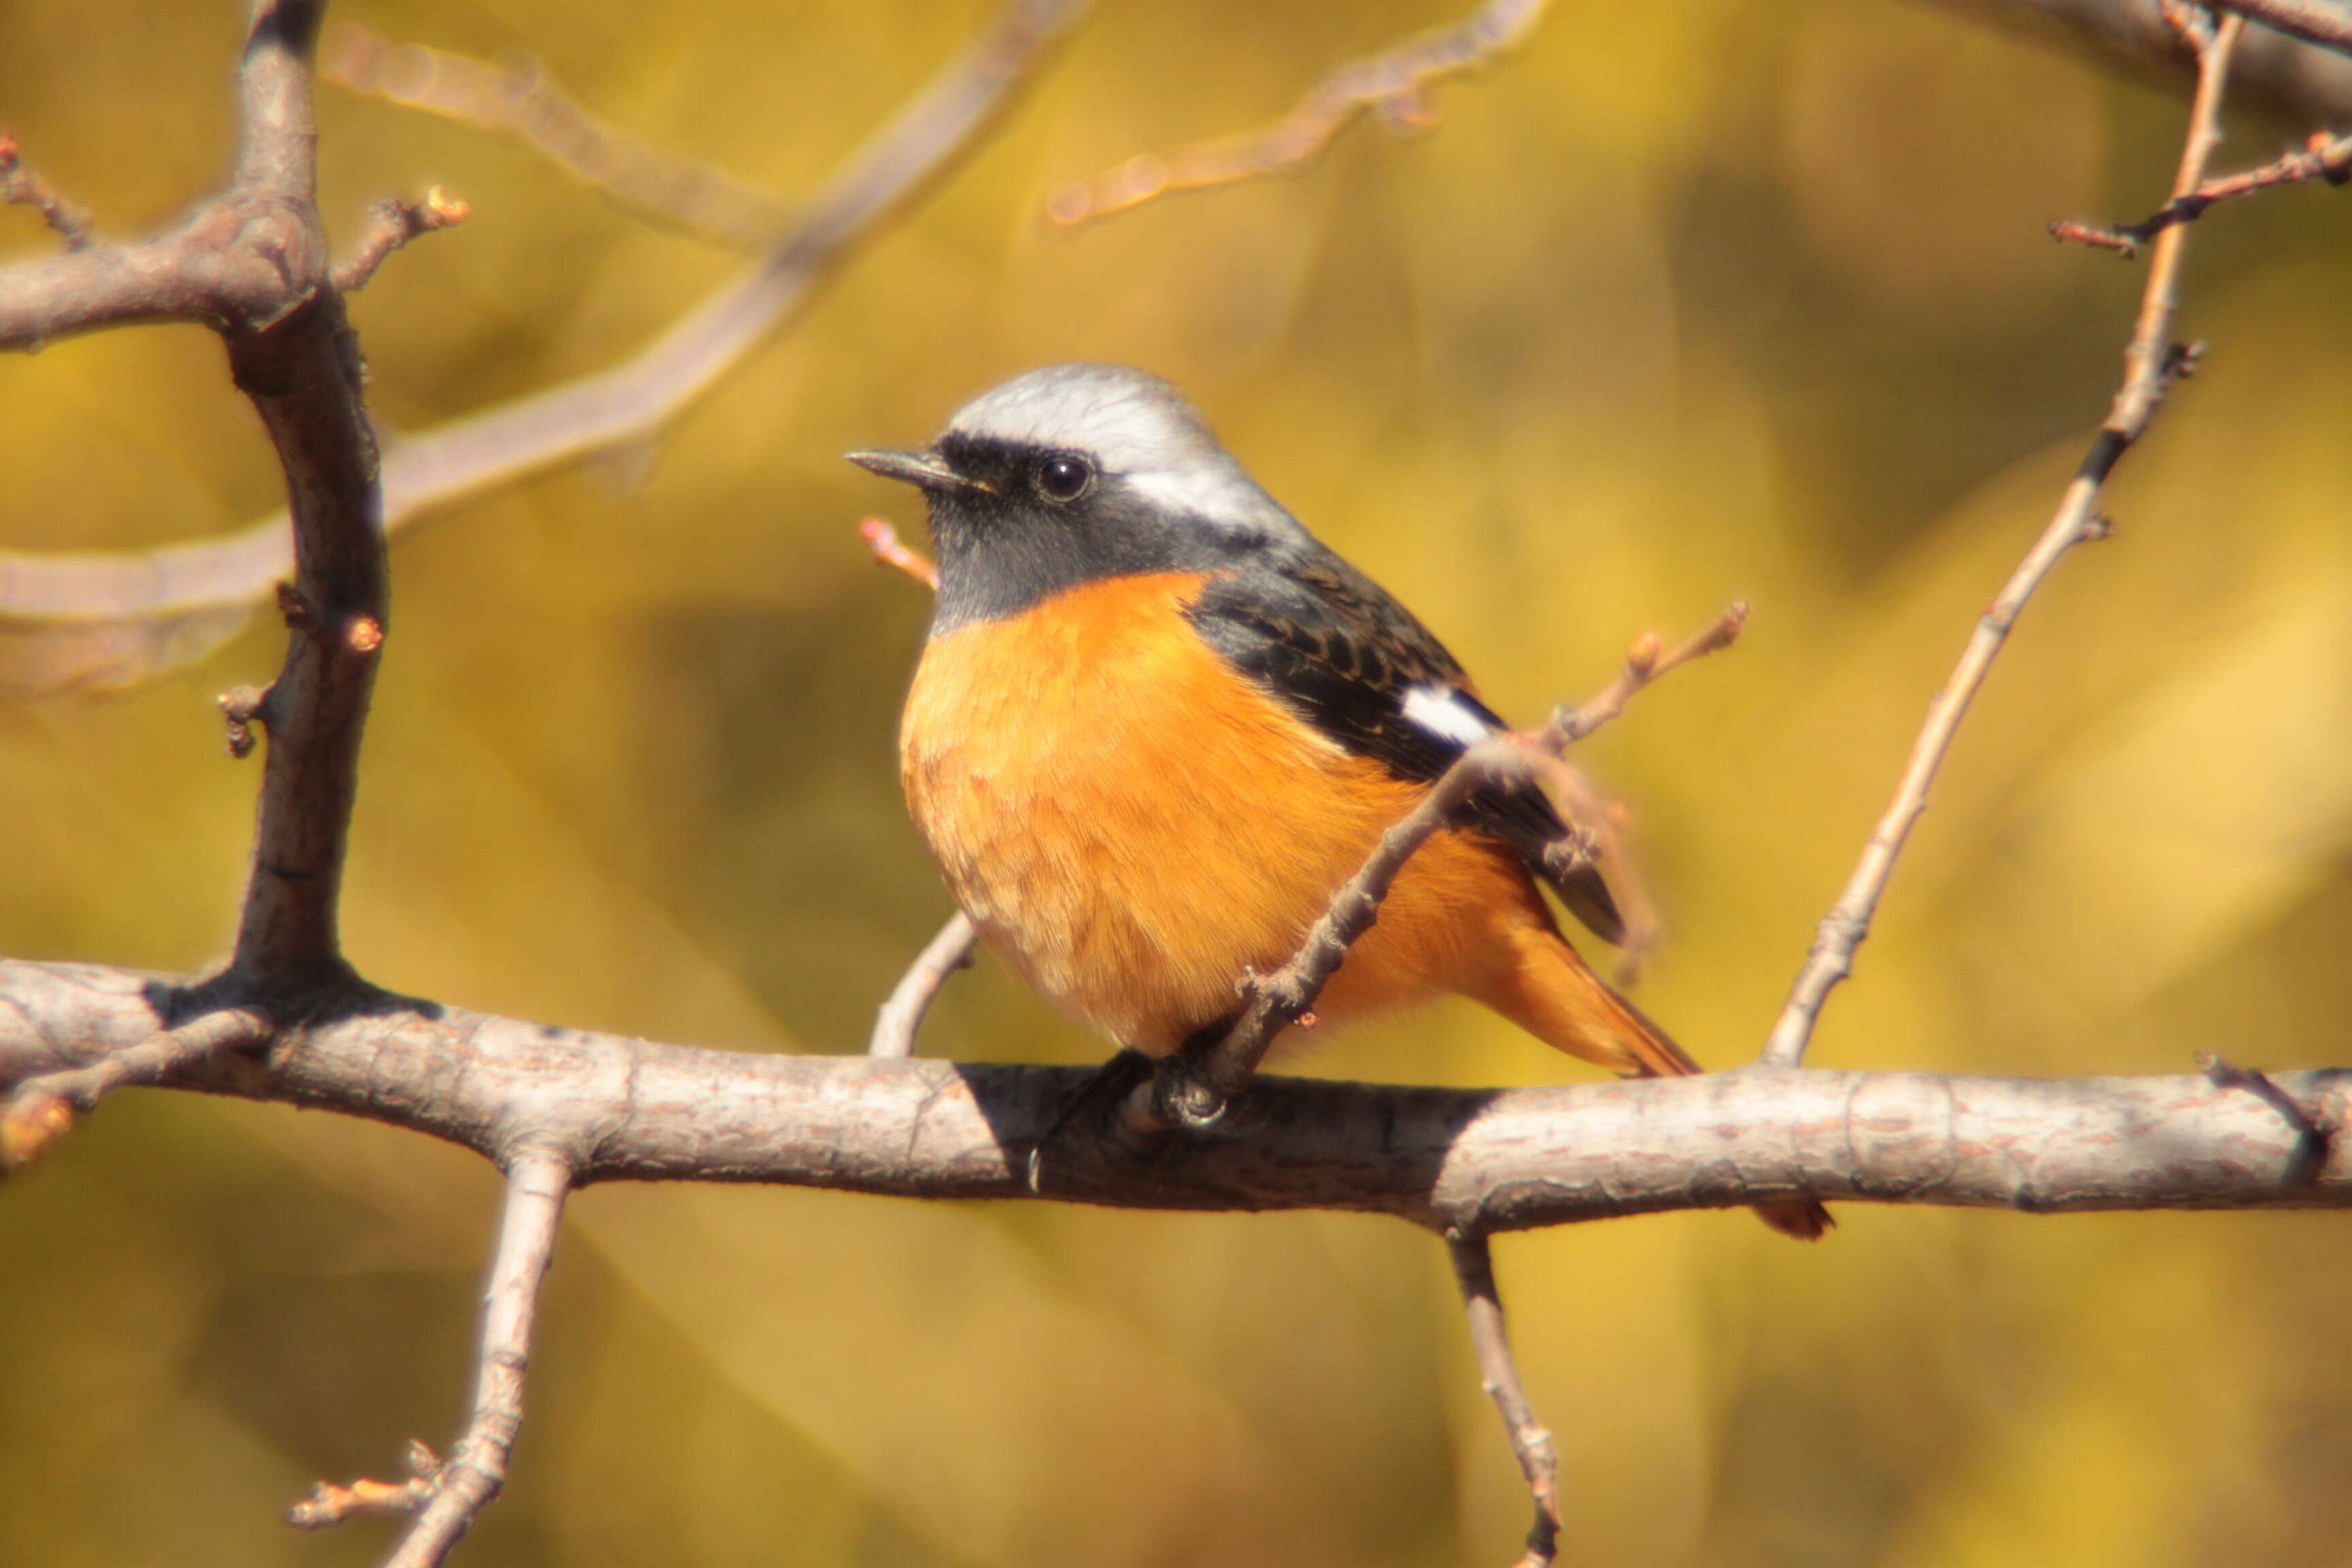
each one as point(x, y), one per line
point(1346, 656)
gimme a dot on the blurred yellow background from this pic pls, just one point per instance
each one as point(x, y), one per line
point(1689, 300)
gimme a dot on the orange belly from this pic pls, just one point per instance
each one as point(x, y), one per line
point(1133, 826)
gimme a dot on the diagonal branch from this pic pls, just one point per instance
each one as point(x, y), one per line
point(1192, 1089)
point(96, 622)
point(516, 95)
point(1394, 83)
point(2151, 362)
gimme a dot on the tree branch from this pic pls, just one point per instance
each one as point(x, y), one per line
point(101, 620)
point(2313, 21)
point(2321, 158)
point(2150, 363)
point(1498, 1372)
point(462, 1486)
point(19, 186)
point(1191, 1087)
point(516, 95)
point(901, 1015)
point(1395, 83)
point(1480, 1160)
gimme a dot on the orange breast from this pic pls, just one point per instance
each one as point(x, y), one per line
point(1132, 825)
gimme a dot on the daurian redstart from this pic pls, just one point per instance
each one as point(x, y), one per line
point(1158, 723)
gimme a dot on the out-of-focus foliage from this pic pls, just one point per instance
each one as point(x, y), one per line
point(1692, 299)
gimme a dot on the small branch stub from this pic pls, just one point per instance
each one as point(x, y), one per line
point(19, 186)
point(392, 224)
point(328, 1504)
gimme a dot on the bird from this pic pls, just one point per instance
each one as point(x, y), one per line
point(1157, 723)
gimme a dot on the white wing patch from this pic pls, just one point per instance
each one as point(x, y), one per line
point(1440, 710)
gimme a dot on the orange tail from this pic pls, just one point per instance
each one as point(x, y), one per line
point(1551, 993)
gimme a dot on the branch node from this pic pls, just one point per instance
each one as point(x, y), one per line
point(242, 707)
point(2314, 1131)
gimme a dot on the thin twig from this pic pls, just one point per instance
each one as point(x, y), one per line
point(329, 1504)
point(464, 1484)
point(889, 551)
point(516, 95)
point(1394, 83)
point(901, 1015)
point(2151, 363)
point(19, 186)
point(2323, 158)
point(393, 223)
point(124, 618)
point(42, 1109)
point(1498, 1374)
point(1192, 1089)
point(1647, 659)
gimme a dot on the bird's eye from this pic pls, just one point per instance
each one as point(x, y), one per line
point(1064, 477)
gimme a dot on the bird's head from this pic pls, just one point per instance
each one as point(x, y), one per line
point(1074, 473)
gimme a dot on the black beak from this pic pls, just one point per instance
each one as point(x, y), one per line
point(924, 471)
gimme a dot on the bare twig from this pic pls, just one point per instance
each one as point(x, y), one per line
point(1394, 83)
point(2323, 158)
point(19, 186)
point(889, 551)
point(1647, 659)
point(1498, 1374)
point(2314, 21)
point(464, 1484)
point(2151, 362)
point(1191, 1089)
point(42, 1109)
point(392, 224)
point(98, 622)
point(1484, 1160)
point(329, 1504)
point(517, 95)
point(895, 1023)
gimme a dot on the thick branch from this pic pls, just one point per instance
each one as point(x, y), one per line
point(2150, 363)
point(1480, 1160)
point(2296, 83)
point(303, 373)
point(2313, 21)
